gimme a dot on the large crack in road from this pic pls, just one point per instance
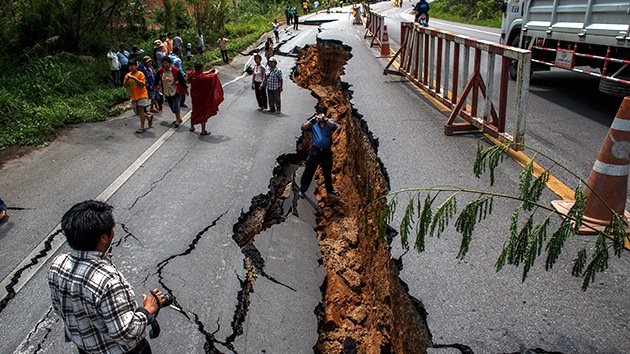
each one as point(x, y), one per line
point(366, 307)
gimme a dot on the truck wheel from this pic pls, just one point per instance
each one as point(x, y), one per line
point(615, 89)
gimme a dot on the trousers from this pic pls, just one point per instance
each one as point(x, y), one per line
point(261, 94)
point(318, 157)
point(274, 100)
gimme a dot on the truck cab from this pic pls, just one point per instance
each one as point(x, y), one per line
point(512, 22)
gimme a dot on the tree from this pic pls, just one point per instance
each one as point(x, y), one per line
point(529, 235)
point(209, 14)
point(75, 25)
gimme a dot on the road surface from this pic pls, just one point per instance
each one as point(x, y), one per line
point(177, 208)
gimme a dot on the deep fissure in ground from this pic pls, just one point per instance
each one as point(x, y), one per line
point(365, 307)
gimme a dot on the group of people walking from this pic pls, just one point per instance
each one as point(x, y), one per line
point(170, 82)
point(151, 85)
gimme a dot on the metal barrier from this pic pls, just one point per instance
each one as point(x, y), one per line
point(574, 53)
point(374, 27)
point(439, 62)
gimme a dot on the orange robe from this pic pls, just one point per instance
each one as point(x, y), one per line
point(206, 94)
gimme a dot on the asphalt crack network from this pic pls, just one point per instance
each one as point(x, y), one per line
point(154, 183)
point(266, 209)
point(34, 342)
point(126, 236)
point(211, 340)
point(18, 273)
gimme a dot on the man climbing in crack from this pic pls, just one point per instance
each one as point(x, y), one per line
point(90, 295)
point(321, 129)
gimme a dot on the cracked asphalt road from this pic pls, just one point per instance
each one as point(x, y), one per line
point(174, 217)
point(177, 197)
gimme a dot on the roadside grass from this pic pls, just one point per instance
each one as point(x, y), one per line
point(474, 12)
point(49, 92)
point(495, 22)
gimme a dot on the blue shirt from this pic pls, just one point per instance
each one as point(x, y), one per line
point(177, 63)
point(149, 75)
point(321, 137)
point(422, 6)
point(123, 57)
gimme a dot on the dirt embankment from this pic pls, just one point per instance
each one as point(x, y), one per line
point(366, 308)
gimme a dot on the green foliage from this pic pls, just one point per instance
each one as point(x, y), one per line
point(482, 12)
point(489, 158)
point(174, 16)
point(424, 221)
point(135, 18)
point(529, 227)
point(443, 214)
point(50, 92)
point(77, 26)
point(472, 213)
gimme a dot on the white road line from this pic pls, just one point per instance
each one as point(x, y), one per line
point(465, 28)
point(59, 240)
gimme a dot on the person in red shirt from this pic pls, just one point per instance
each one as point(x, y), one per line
point(135, 80)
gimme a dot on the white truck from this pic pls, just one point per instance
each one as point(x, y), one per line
point(586, 36)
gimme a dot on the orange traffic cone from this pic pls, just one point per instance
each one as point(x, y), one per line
point(385, 51)
point(609, 176)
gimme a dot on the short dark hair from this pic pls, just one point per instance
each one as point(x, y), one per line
point(166, 58)
point(175, 49)
point(198, 66)
point(321, 109)
point(86, 222)
point(132, 62)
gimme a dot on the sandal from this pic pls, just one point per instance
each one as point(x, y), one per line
point(205, 132)
point(176, 123)
point(192, 129)
point(140, 131)
point(151, 121)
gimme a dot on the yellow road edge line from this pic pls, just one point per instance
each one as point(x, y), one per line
point(554, 184)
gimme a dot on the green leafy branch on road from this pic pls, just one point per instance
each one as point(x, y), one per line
point(530, 235)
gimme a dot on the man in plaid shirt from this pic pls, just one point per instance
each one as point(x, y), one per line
point(274, 85)
point(92, 297)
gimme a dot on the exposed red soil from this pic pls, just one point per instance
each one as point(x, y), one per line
point(363, 298)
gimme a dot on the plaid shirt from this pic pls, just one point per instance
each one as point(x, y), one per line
point(95, 302)
point(274, 78)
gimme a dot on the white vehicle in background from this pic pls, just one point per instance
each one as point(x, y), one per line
point(586, 36)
